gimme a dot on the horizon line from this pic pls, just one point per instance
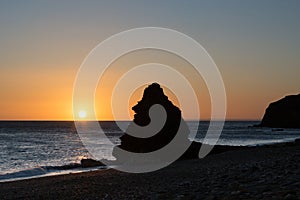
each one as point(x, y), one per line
point(107, 120)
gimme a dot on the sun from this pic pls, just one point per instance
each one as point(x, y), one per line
point(82, 114)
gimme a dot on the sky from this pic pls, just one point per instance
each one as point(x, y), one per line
point(255, 45)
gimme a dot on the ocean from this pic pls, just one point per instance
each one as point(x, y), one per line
point(34, 149)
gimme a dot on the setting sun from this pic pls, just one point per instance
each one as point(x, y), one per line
point(82, 114)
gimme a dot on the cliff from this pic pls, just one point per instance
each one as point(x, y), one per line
point(284, 113)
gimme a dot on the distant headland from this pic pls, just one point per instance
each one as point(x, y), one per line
point(284, 113)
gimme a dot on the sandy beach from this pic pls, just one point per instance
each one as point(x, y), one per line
point(266, 172)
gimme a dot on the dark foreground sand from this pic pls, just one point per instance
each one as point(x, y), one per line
point(269, 172)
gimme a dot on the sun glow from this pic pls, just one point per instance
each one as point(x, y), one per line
point(82, 114)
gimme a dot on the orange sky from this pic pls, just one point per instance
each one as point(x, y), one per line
point(45, 94)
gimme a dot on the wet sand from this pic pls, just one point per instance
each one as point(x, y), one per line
point(267, 172)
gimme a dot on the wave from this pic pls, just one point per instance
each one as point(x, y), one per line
point(246, 143)
point(42, 171)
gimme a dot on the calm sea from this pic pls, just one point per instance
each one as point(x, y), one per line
point(29, 149)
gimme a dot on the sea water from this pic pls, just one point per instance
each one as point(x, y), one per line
point(29, 149)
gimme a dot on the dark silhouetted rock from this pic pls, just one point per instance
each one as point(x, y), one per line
point(284, 113)
point(85, 163)
point(153, 94)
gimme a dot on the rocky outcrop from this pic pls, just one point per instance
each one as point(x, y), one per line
point(88, 162)
point(284, 113)
point(153, 95)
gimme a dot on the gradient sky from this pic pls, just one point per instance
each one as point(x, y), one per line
point(255, 44)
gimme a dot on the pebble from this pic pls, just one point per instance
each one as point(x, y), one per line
point(290, 197)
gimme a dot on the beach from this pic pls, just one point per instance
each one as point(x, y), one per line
point(263, 172)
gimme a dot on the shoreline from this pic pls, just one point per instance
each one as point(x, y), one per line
point(74, 168)
point(263, 172)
